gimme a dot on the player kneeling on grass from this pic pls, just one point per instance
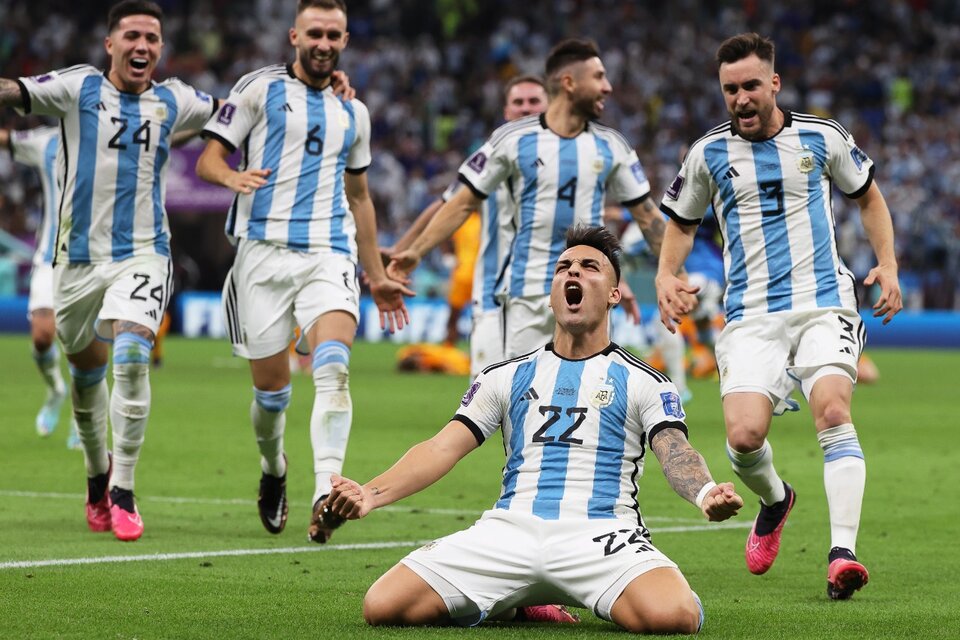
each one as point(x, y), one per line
point(576, 415)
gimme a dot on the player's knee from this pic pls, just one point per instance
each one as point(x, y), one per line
point(42, 341)
point(379, 609)
point(331, 367)
point(832, 414)
point(678, 618)
point(131, 349)
point(273, 401)
point(744, 437)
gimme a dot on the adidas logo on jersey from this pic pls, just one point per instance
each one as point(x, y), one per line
point(731, 174)
point(531, 394)
point(101, 106)
point(286, 107)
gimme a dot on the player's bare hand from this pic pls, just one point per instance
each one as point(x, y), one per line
point(348, 499)
point(675, 298)
point(246, 182)
point(388, 296)
point(890, 301)
point(628, 302)
point(402, 265)
point(340, 82)
point(386, 255)
point(721, 502)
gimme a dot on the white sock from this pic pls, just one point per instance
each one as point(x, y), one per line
point(267, 413)
point(844, 478)
point(90, 399)
point(48, 362)
point(332, 412)
point(672, 347)
point(756, 470)
point(129, 404)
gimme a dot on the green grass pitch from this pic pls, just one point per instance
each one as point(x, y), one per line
point(197, 483)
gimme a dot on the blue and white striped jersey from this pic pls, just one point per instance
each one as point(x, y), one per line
point(773, 202)
point(574, 431)
point(556, 183)
point(308, 137)
point(496, 229)
point(112, 160)
point(37, 148)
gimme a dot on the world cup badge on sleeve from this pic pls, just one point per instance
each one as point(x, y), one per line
point(671, 405)
point(805, 161)
point(468, 396)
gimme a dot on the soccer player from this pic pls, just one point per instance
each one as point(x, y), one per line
point(559, 166)
point(576, 416)
point(37, 148)
point(303, 215)
point(112, 255)
point(790, 306)
point(523, 96)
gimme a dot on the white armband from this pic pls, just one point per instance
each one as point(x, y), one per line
point(703, 493)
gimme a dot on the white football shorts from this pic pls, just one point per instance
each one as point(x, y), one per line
point(272, 289)
point(509, 559)
point(528, 325)
point(486, 339)
point(771, 354)
point(41, 287)
point(89, 297)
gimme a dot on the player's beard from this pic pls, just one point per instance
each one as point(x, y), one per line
point(586, 107)
point(307, 62)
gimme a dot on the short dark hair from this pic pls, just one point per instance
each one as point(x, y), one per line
point(521, 79)
point(303, 5)
point(564, 54)
point(740, 46)
point(126, 8)
point(600, 239)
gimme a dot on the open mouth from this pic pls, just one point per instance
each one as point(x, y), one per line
point(139, 64)
point(573, 293)
point(746, 115)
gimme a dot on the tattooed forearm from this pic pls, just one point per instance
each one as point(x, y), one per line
point(651, 224)
point(683, 466)
point(10, 95)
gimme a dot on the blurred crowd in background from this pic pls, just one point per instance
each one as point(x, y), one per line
point(431, 73)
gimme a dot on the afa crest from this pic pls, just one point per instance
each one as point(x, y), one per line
point(602, 396)
point(805, 161)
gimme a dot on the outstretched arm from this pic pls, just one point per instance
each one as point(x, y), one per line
point(651, 223)
point(10, 93)
point(448, 219)
point(420, 467)
point(879, 227)
point(674, 294)
point(387, 294)
point(212, 166)
point(687, 473)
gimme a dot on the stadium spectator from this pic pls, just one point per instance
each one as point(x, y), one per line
point(112, 255)
point(567, 524)
point(790, 304)
point(302, 217)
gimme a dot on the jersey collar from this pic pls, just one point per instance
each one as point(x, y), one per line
point(610, 348)
point(787, 122)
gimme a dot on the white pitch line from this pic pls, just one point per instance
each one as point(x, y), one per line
point(190, 555)
point(247, 502)
point(194, 555)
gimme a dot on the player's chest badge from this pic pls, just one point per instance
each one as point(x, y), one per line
point(602, 396)
point(344, 118)
point(161, 112)
point(805, 161)
point(598, 165)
